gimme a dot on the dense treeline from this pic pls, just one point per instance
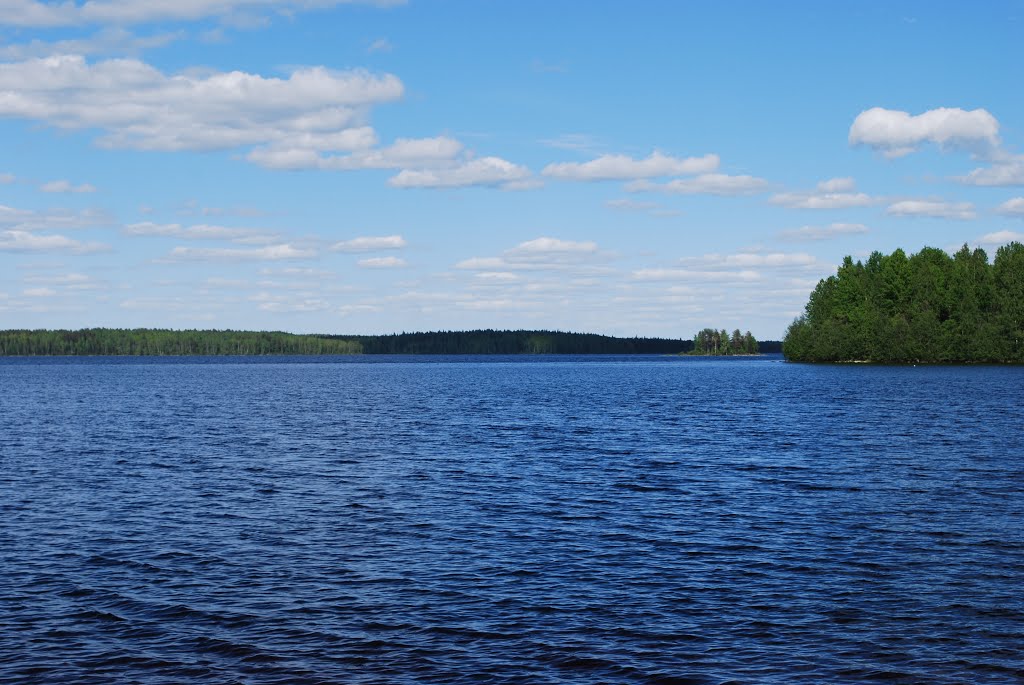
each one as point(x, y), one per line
point(515, 342)
point(928, 307)
point(712, 342)
point(162, 342)
point(159, 342)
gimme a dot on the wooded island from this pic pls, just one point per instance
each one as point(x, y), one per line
point(710, 342)
point(926, 308)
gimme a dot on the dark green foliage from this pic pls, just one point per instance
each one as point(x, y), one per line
point(159, 342)
point(514, 342)
point(715, 343)
point(928, 308)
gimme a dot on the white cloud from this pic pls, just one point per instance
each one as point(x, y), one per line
point(655, 274)
point(39, 292)
point(281, 303)
point(497, 276)
point(938, 209)
point(550, 246)
point(403, 153)
point(23, 241)
point(1006, 172)
point(197, 232)
point(835, 193)
point(110, 40)
point(622, 167)
point(136, 106)
point(63, 186)
point(53, 219)
point(897, 133)
point(31, 13)
point(1013, 207)
point(836, 230)
point(382, 263)
point(268, 253)
point(370, 243)
point(380, 45)
point(705, 184)
point(484, 171)
point(751, 259)
point(6, 178)
point(837, 185)
point(541, 254)
point(1001, 238)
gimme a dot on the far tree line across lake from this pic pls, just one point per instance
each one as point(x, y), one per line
point(929, 307)
point(163, 342)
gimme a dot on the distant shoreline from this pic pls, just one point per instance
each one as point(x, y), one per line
point(139, 342)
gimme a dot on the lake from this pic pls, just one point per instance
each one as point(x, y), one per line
point(509, 520)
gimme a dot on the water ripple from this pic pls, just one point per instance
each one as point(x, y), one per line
point(542, 520)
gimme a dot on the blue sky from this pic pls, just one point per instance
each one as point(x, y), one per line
point(642, 168)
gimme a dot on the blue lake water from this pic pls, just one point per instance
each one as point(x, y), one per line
point(509, 520)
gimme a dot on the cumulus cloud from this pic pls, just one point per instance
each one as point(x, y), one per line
point(550, 246)
point(23, 241)
point(806, 233)
point(134, 105)
point(403, 153)
point(51, 219)
point(1014, 207)
point(938, 209)
point(110, 40)
point(769, 260)
point(63, 186)
point(370, 244)
point(756, 259)
point(484, 171)
point(541, 254)
point(897, 133)
point(837, 185)
point(656, 274)
point(231, 254)
point(315, 118)
point(272, 302)
point(834, 193)
point(704, 184)
point(1001, 238)
point(197, 232)
point(32, 13)
point(1006, 172)
point(622, 167)
point(382, 263)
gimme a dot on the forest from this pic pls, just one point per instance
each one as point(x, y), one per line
point(711, 342)
point(929, 307)
point(161, 342)
point(514, 342)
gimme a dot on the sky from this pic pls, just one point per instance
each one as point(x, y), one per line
point(630, 168)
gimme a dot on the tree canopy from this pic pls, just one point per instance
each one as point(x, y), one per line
point(929, 307)
point(161, 342)
point(714, 342)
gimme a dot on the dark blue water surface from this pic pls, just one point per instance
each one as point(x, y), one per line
point(509, 520)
